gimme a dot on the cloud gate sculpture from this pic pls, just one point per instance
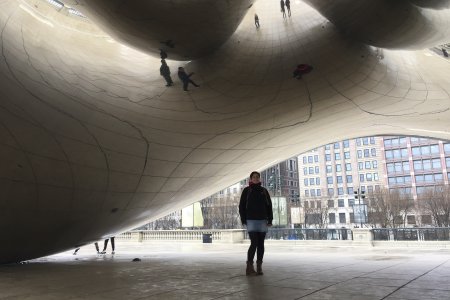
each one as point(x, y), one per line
point(92, 143)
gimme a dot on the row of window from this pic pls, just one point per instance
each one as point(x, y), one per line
point(311, 181)
point(368, 165)
point(368, 177)
point(313, 193)
point(310, 159)
point(348, 167)
point(395, 142)
point(421, 178)
point(340, 191)
point(337, 145)
point(367, 153)
point(396, 153)
point(311, 170)
point(365, 141)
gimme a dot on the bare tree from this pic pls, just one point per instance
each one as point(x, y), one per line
point(436, 202)
point(316, 212)
point(389, 208)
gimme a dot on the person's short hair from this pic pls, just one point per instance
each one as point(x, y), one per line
point(254, 172)
point(163, 60)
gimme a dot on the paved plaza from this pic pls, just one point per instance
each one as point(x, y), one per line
point(216, 271)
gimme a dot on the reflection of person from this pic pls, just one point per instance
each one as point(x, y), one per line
point(255, 210)
point(288, 6)
point(165, 72)
point(256, 21)
point(282, 8)
point(185, 78)
point(105, 245)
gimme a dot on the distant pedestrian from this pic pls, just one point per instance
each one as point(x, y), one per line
point(288, 6)
point(164, 70)
point(105, 245)
point(162, 53)
point(185, 78)
point(444, 52)
point(282, 8)
point(96, 247)
point(256, 21)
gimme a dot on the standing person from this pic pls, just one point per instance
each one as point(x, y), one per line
point(164, 70)
point(282, 8)
point(255, 210)
point(256, 21)
point(185, 78)
point(288, 6)
point(105, 245)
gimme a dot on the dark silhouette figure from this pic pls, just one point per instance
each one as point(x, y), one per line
point(444, 52)
point(105, 245)
point(255, 210)
point(302, 69)
point(282, 8)
point(256, 21)
point(162, 53)
point(96, 247)
point(185, 78)
point(164, 70)
point(288, 6)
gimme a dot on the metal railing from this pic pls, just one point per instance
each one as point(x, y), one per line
point(307, 234)
point(411, 234)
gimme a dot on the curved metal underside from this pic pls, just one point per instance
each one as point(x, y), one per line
point(92, 143)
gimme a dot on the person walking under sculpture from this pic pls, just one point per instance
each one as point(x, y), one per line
point(164, 70)
point(288, 6)
point(282, 8)
point(185, 78)
point(255, 210)
point(96, 247)
point(256, 21)
point(105, 245)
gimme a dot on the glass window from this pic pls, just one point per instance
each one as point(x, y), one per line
point(332, 218)
point(389, 154)
point(377, 188)
point(387, 143)
point(318, 192)
point(349, 179)
point(330, 203)
point(373, 152)
point(340, 191)
point(328, 157)
point(358, 142)
point(346, 143)
point(329, 169)
point(306, 193)
point(368, 165)
point(406, 166)
point(327, 147)
point(351, 202)
point(350, 191)
point(360, 165)
point(342, 219)
point(304, 160)
point(390, 168)
point(361, 177)
point(414, 139)
point(336, 145)
point(372, 140)
point(317, 180)
point(447, 148)
point(447, 162)
point(415, 151)
point(365, 141)
point(419, 178)
point(436, 163)
point(311, 170)
point(330, 192)
point(369, 189)
point(305, 181)
point(438, 177)
point(310, 159)
point(337, 156)
point(347, 155)
point(417, 165)
point(348, 167)
point(426, 164)
point(330, 180)
point(402, 141)
point(375, 176)
point(311, 181)
point(341, 203)
point(366, 153)
point(369, 177)
point(338, 168)
point(434, 149)
point(398, 167)
point(316, 170)
point(313, 193)
point(374, 164)
point(339, 179)
point(391, 180)
point(425, 150)
point(316, 158)
point(359, 153)
point(305, 171)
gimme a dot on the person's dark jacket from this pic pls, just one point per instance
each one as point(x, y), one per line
point(164, 70)
point(183, 76)
point(255, 204)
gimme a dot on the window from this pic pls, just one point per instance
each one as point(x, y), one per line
point(434, 149)
point(447, 148)
point(346, 144)
point(317, 180)
point(330, 180)
point(305, 171)
point(368, 165)
point(340, 191)
point(329, 169)
point(336, 145)
point(341, 203)
point(373, 152)
point(348, 167)
point(311, 170)
point(372, 140)
point(347, 155)
point(358, 142)
point(338, 168)
point(330, 192)
point(436, 163)
point(366, 153)
point(316, 169)
point(370, 189)
point(360, 165)
point(447, 162)
point(359, 153)
point(337, 156)
point(369, 177)
point(375, 176)
point(387, 143)
point(351, 202)
point(339, 179)
point(352, 217)
point(316, 158)
point(332, 218)
point(330, 203)
point(328, 157)
point(415, 151)
point(306, 193)
point(313, 193)
point(310, 159)
point(342, 218)
point(350, 191)
point(361, 177)
point(365, 141)
point(311, 181)
point(318, 192)
point(304, 160)
point(349, 179)
point(327, 147)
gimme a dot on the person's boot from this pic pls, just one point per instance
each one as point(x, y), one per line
point(259, 268)
point(250, 271)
